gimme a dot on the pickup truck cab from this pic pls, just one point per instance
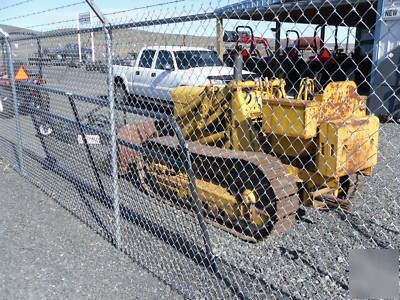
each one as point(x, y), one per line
point(158, 70)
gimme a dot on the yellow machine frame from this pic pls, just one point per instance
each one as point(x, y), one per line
point(331, 127)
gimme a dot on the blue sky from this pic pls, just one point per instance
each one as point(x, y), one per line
point(107, 6)
point(65, 17)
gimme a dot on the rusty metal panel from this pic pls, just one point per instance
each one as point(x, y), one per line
point(348, 147)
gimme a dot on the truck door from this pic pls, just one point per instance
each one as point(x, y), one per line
point(142, 74)
point(163, 77)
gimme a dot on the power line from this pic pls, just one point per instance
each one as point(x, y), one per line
point(43, 11)
point(16, 4)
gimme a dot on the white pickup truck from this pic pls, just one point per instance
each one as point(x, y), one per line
point(160, 69)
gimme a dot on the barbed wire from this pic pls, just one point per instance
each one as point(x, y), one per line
point(15, 4)
point(51, 23)
point(43, 11)
point(144, 7)
point(112, 13)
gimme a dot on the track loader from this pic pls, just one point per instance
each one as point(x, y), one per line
point(257, 153)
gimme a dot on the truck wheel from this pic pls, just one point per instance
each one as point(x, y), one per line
point(32, 96)
point(120, 93)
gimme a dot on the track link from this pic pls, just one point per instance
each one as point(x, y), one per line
point(237, 170)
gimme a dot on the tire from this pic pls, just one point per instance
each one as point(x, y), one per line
point(120, 93)
point(32, 96)
point(41, 100)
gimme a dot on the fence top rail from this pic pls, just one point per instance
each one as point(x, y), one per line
point(127, 108)
point(170, 20)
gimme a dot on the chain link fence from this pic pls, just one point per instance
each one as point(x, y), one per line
point(235, 150)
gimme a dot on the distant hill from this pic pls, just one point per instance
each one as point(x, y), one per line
point(9, 28)
point(124, 41)
point(127, 40)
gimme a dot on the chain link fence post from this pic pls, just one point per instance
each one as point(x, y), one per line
point(198, 207)
point(114, 155)
point(111, 99)
point(9, 63)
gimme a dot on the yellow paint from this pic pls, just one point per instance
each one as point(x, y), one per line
point(290, 117)
point(219, 200)
point(348, 147)
point(329, 133)
point(282, 144)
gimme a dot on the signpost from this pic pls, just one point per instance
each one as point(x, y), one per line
point(85, 18)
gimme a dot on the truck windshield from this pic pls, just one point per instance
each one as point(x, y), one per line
point(197, 58)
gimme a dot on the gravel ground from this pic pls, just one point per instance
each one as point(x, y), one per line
point(47, 254)
point(310, 260)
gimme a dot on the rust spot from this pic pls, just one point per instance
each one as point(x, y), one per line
point(355, 123)
point(286, 101)
point(341, 102)
point(359, 122)
point(135, 134)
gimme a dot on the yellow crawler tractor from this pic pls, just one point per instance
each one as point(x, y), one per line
point(258, 153)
